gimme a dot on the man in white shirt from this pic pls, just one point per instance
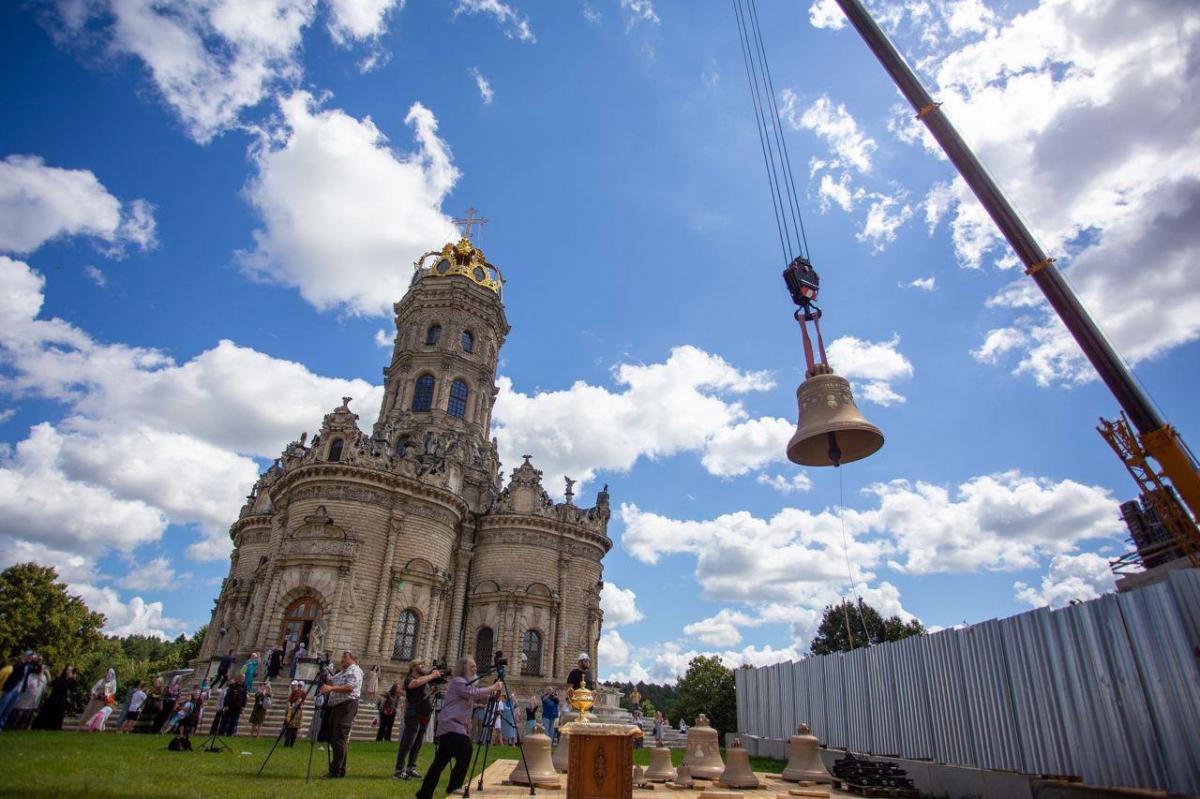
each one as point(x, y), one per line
point(136, 700)
point(341, 699)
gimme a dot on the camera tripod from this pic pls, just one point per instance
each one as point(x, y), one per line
point(490, 712)
point(312, 742)
point(214, 743)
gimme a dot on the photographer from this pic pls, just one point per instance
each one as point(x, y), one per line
point(341, 698)
point(452, 742)
point(417, 710)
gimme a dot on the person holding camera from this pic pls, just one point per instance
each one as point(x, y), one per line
point(418, 707)
point(341, 700)
point(453, 720)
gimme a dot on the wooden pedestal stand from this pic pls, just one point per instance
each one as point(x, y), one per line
point(601, 761)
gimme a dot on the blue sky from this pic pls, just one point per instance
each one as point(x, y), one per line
point(205, 215)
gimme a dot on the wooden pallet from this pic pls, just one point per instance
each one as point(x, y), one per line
point(871, 790)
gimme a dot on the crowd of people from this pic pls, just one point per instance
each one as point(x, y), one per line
point(458, 707)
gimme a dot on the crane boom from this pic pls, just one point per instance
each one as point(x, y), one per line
point(1158, 439)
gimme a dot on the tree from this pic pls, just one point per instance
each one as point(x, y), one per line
point(832, 635)
point(708, 688)
point(37, 613)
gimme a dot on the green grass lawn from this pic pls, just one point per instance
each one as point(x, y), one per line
point(73, 764)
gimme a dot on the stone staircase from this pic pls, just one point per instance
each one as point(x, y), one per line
point(672, 738)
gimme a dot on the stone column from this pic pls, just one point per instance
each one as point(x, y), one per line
point(387, 634)
point(383, 592)
point(549, 645)
point(462, 570)
point(564, 566)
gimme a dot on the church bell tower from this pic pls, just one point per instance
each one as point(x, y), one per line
point(440, 385)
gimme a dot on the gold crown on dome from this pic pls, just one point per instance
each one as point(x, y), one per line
point(463, 259)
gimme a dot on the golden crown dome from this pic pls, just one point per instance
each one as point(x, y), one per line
point(463, 259)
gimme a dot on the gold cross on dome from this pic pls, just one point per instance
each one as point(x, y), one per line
point(469, 222)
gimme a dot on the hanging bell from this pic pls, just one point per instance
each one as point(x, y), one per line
point(703, 752)
point(738, 773)
point(536, 753)
point(660, 769)
point(831, 430)
point(804, 759)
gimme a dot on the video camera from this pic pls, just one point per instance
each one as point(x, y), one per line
point(439, 665)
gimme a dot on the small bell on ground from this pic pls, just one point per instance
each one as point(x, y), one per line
point(536, 749)
point(831, 430)
point(683, 777)
point(738, 773)
point(703, 753)
point(562, 752)
point(660, 769)
point(639, 777)
point(804, 759)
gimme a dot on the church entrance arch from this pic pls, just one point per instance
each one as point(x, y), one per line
point(298, 621)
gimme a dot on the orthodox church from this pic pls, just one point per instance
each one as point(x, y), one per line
point(403, 544)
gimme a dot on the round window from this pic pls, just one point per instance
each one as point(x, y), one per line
point(443, 266)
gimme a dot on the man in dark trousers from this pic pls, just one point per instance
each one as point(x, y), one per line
point(223, 670)
point(341, 696)
point(454, 720)
point(274, 662)
point(418, 707)
point(235, 700)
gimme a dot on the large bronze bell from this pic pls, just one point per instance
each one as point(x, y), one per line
point(738, 773)
point(804, 759)
point(831, 430)
point(703, 753)
point(660, 769)
point(536, 749)
point(562, 752)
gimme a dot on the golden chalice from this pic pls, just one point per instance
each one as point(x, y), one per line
point(582, 700)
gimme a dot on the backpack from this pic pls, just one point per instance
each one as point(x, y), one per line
point(180, 744)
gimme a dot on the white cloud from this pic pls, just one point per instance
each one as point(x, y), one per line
point(922, 283)
point(639, 11)
point(800, 481)
point(997, 522)
point(885, 215)
point(343, 215)
point(619, 605)
point(135, 617)
point(359, 19)
point(154, 574)
point(718, 630)
point(826, 14)
point(95, 275)
point(212, 60)
point(516, 25)
point(1070, 578)
point(1097, 153)
point(383, 338)
point(999, 342)
point(877, 363)
point(663, 409)
point(749, 445)
point(590, 14)
point(840, 192)
point(835, 126)
point(40, 202)
point(485, 89)
point(42, 505)
point(611, 650)
point(183, 461)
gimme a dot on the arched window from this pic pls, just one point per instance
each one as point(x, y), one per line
point(531, 647)
point(335, 449)
point(483, 647)
point(433, 334)
point(458, 399)
point(405, 647)
point(468, 341)
point(423, 394)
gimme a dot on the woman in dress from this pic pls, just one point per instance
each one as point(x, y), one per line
point(295, 713)
point(104, 694)
point(262, 701)
point(31, 694)
point(508, 725)
point(370, 685)
point(658, 727)
point(51, 717)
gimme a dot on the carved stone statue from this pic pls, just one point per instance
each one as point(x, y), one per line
point(318, 636)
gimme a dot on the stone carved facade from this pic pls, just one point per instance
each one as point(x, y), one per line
point(402, 544)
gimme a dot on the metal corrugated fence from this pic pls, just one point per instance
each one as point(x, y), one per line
point(1106, 690)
